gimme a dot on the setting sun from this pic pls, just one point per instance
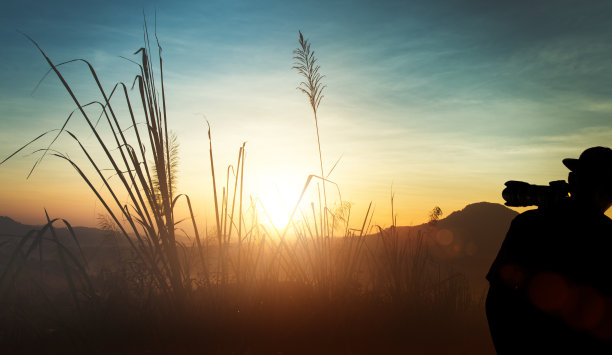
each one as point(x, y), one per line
point(275, 206)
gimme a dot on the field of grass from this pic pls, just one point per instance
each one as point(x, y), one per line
point(320, 285)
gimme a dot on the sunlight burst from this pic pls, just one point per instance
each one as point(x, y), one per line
point(277, 202)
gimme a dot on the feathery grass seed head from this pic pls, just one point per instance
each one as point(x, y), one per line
point(306, 64)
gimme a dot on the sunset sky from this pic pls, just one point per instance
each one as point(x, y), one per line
point(440, 102)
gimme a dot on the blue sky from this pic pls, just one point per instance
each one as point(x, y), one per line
point(441, 101)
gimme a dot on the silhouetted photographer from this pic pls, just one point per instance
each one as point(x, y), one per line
point(551, 283)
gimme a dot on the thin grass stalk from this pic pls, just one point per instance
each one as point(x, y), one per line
point(81, 109)
point(318, 245)
point(165, 117)
point(212, 170)
point(224, 245)
point(141, 211)
point(240, 211)
point(127, 146)
point(148, 96)
point(141, 148)
point(142, 87)
point(308, 236)
point(138, 251)
point(120, 145)
point(360, 239)
point(164, 219)
point(313, 88)
point(76, 242)
point(203, 261)
point(149, 102)
point(60, 252)
point(231, 218)
point(50, 144)
point(238, 172)
point(26, 145)
point(226, 194)
point(111, 159)
point(36, 236)
point(106, 184)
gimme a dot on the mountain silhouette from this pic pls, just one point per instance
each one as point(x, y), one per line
point(87, 236)
point(477, 230)
point(100, 247)
point(12, 227)
point(466, 241)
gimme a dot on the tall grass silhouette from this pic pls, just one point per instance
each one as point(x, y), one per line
point(243, 286)
point(312, 87)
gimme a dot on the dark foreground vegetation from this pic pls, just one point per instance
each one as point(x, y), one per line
point(321, 285)
point(395, 300)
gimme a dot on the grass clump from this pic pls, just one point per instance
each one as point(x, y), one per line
point(242, 287)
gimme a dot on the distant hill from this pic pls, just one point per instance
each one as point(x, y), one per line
point(478, 229)
point(9, 226)
point(466, 240)
point(87, 236)
point(100, 247)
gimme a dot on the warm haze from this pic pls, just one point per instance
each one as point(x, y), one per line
point(440, 103)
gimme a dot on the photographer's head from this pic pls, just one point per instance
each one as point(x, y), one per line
point(590, 178)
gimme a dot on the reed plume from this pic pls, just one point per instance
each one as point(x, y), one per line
point(306, 64)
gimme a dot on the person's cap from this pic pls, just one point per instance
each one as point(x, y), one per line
point(596, 160)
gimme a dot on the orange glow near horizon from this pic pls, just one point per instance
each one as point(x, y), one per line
point(275, 206)
point(428, 132)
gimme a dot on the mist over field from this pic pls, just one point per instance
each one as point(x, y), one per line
point(418, 288)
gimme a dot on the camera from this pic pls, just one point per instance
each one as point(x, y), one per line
point(522, 194)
